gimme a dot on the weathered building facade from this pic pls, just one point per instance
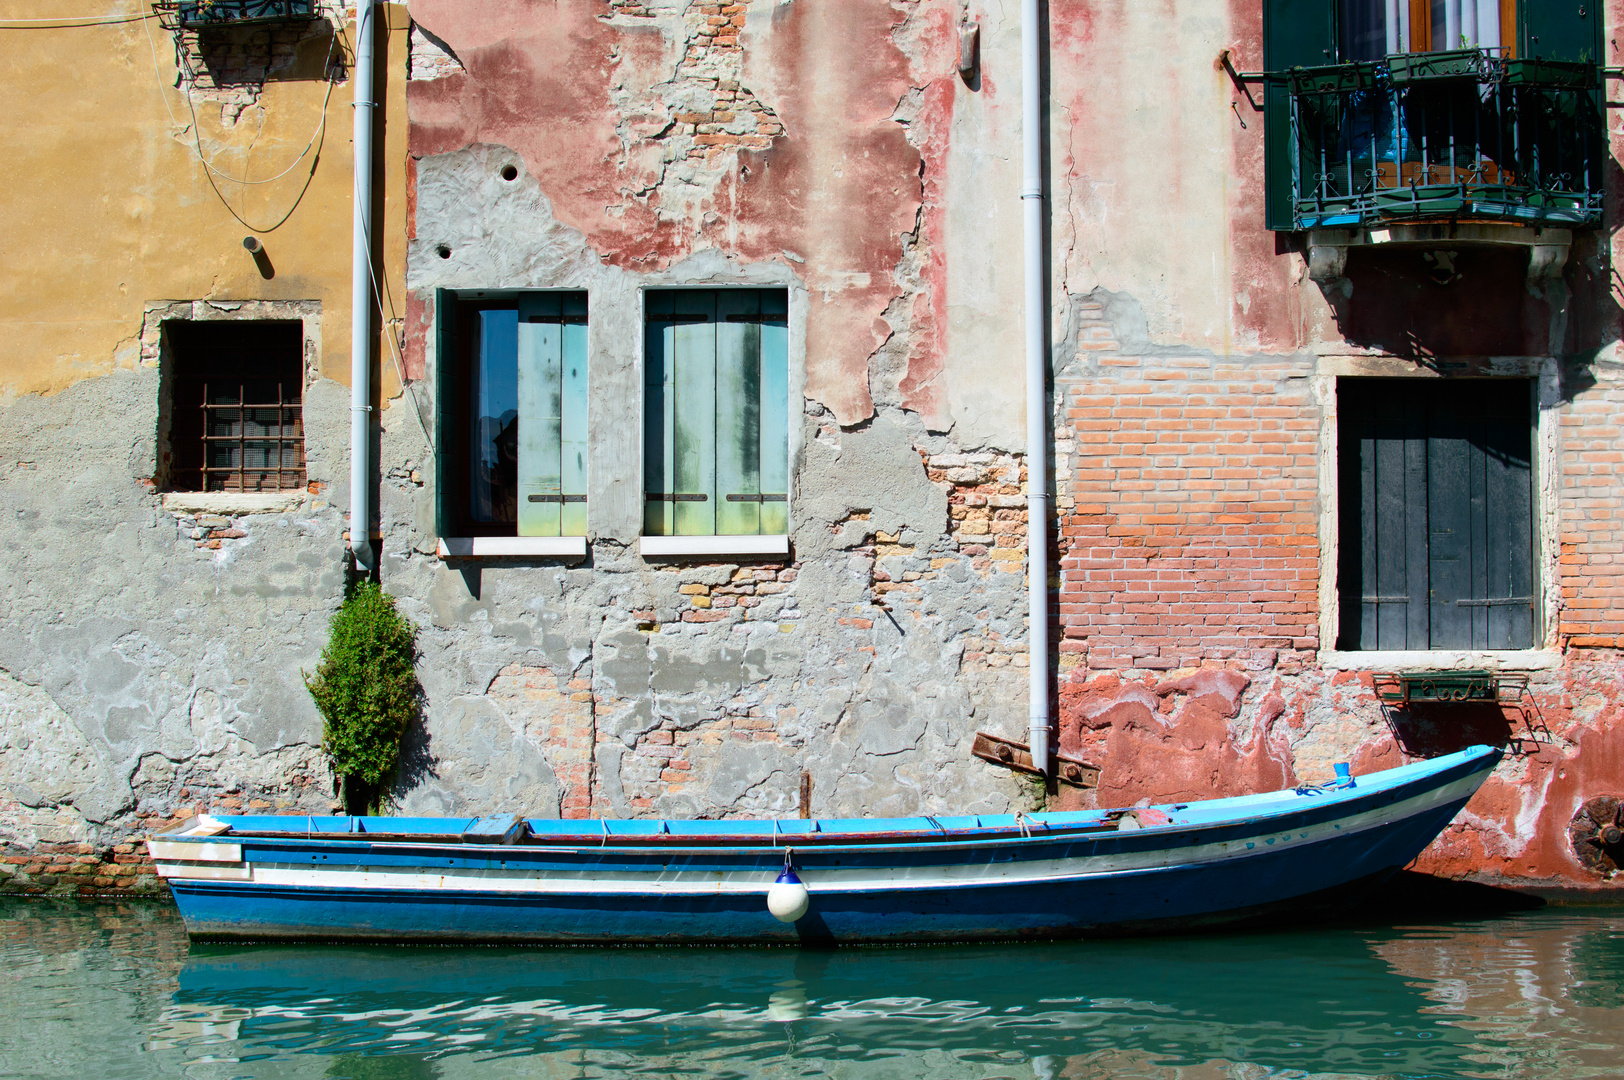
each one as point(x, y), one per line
point(707, 488)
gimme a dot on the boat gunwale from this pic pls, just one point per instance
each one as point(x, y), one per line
point(1037, 832)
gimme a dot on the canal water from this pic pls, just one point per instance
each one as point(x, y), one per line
point(115, 990)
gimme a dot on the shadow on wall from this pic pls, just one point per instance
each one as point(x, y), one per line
point(1460, 300)
point(1428, 730)
point(417, 763)
point(223, 57)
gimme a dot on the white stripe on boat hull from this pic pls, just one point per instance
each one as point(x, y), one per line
point(854, 879)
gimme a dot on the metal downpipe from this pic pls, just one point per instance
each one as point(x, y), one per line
point(1037, 402)
point(361, 294)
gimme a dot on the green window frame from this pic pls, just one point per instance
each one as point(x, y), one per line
point(716, 412)
point(512, 394)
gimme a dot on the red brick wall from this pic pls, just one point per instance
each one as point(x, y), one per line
point(1592, 516)
point(1192, 530)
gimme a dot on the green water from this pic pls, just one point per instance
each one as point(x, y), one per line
point(114, 990)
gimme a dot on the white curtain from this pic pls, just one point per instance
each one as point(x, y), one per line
point(1464, 24)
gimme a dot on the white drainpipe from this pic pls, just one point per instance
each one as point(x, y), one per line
point(361, 295)
point(1037, 401)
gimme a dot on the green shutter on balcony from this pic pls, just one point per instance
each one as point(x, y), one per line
point(1564, 30)
point(716, 413)
point(1296, 33)
point(447, 380)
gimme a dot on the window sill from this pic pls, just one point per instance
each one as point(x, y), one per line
point(233, 503)
point(495, 547)
point(1399, 661)
point(666, 546)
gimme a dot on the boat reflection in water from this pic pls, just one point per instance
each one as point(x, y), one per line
point(1319, 1003)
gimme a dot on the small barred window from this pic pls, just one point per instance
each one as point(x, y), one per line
point(237, 415)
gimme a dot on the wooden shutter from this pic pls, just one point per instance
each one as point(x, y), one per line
point(679, 415)
point(1383, 585)
point(1437, 514)
point(1296, 33)
point(448, 380)
point(541, 412)
point(774, 412)
point(1480, 517)
point(738, 413)
point(552, 414)
point(1566, 30)
point(572, 429)
point(659, 414)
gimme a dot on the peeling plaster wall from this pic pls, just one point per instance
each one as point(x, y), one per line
point(1195, 365)
point(150, 659)
point(831, 149)
point(711, 149)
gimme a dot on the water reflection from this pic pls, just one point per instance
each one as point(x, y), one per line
point(1530, 995)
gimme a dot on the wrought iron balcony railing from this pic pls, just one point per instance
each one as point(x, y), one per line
point(1462, 135)
point(206, 14)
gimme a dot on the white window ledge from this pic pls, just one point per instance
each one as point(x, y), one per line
point(1441, 660)
point(493, 547)
point(664, 546)
point(233, 503)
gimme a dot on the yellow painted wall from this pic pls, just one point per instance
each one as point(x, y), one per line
point(106, 205)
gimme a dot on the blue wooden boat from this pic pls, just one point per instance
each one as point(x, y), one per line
point(1172, 867)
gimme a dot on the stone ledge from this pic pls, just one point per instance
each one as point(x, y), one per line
point(491, 547)
point(664, 547)
point(1396, 660)
point(232, 503)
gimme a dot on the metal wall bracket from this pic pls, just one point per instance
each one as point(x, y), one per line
point(1018, 757)
point(1450, 687)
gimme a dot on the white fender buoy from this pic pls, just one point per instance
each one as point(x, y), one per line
point(787, 899)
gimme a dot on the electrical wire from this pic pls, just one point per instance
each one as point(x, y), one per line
point(73, 22)
point(317, 138)
point(395, 349)
point(318, 135)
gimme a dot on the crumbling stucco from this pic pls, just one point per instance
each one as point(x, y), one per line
point(151, 660)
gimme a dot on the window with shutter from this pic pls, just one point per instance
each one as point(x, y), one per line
point(1436, 508)
point(1296, 33)
point(716, 413)
point(512, 411)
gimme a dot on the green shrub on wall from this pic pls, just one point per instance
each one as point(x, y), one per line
point(367, 692)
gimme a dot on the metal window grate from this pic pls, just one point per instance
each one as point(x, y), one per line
point(248, 445)
point(236, 419)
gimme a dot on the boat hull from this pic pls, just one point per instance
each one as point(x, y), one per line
point(1205, 867)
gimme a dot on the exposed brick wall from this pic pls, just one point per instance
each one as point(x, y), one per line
point(1592, 516)
point(556, 711)
point(1192, 536)
point(85, 869)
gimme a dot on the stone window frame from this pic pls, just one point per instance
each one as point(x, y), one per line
point(1545, 373)
point(728, 545)
point(155, 353)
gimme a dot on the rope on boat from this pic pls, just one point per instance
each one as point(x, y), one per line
point(1344, 779)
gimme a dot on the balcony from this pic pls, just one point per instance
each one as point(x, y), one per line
point(219, 14)
point(1464, 136)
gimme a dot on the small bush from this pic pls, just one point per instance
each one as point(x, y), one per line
point(367, 692)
